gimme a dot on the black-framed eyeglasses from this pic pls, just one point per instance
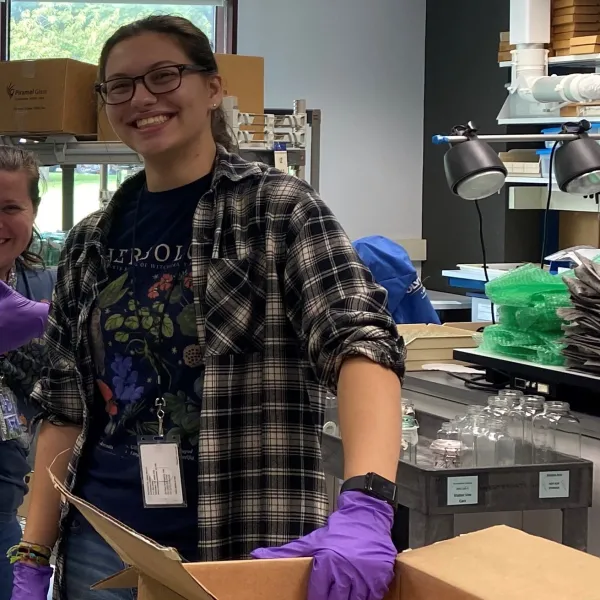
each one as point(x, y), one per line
point(160, 80)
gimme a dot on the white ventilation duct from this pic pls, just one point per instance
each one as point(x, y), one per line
point(532, 92)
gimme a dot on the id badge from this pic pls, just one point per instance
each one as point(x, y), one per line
point(10, 424)
point(160, 469)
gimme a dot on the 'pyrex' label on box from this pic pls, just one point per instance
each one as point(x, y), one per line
point(554, 484)
point(463, 490)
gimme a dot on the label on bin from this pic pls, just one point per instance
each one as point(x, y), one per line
point(554, 484)
point(463, 490)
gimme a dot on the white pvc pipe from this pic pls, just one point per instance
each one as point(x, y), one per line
point(530, 22)
point(578, 87)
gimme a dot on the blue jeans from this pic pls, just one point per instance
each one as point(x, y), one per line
point(13, 470)
point(88, 560)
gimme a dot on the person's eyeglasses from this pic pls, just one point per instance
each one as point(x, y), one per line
point(157, 81)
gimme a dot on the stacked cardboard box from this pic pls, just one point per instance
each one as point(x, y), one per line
point(504, 47)
point(572, 19)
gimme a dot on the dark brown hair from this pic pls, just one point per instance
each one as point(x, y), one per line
point(14, 160)
point(192, 41)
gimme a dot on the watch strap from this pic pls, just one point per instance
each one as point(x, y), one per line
point(373, 485)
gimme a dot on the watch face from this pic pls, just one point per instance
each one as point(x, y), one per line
point(383, 488)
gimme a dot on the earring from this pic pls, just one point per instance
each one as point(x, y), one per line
point(214, 106)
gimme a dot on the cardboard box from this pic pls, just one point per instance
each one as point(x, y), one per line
point(505, 36)
point(576, 10)
point(504, 56)
point(494, 564)
point(558, 4)
point(575, 29)
point(585, 40)
point(433, 344)
point(48, 96)
point(243, 77)
point(587, 109)
point(589, 49)
point(578, 229)
point(574, 19)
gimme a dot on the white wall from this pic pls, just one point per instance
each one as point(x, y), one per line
point(361, 62)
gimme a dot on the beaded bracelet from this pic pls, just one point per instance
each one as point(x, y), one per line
point(27, 552)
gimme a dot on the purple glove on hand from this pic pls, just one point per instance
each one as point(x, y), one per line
point(21, 319)
point(30, 582)
point(353, 554)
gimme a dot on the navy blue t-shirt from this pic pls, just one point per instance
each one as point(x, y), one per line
point(133, 345)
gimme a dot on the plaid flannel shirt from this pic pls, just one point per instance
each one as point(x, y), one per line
point(281, 300)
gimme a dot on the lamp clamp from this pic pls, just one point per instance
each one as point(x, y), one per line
point(576, 127)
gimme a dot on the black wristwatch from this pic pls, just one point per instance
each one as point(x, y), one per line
point(373, 485)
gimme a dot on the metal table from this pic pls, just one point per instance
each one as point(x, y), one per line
point(432, 497)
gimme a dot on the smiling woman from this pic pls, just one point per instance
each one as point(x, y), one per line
point(23, 280)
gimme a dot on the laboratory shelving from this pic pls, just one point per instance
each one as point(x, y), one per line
point(288, 137)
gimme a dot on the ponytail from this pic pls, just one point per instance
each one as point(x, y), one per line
point(221, 131)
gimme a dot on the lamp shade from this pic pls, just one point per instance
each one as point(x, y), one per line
point(577, 166)
point(473, 170)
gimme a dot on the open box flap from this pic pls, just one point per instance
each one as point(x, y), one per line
point(148, 557)
point(262, 579)
point(120, 581)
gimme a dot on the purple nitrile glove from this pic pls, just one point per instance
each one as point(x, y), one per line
point(21, 319)
point(30, 582)
point(353, 554)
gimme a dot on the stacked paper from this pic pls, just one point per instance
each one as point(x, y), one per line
point(582, 333)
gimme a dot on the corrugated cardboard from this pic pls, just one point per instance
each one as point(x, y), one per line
point(575, 29)
point(499, 563)
point(576, 18)
point(557, 4)
point(576, 10)
point(433, 344)
point(578, 229)
point(47, 96)
point(586, 109)
point(589, 49)
point(585, 40)
point(494, 564)
point(431, 337)
point(243, 77)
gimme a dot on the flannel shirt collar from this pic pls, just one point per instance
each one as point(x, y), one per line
point(227, 165)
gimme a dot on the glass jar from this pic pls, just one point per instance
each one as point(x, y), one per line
point(475, 428)
point(504, 446)
point(515, 428)
point(513, 395)
point(445, 432)
point(529, 407)
point(446, 454)
point(462, 420)
point(410, 439)
point(498, 406)
point(556, 430)
point(408, 408)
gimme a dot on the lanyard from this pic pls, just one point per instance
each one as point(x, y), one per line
point(159, 401)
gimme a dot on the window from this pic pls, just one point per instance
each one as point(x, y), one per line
point(47, 29)
point(78, 29)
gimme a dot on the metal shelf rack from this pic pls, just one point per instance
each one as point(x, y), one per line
point(289, 131)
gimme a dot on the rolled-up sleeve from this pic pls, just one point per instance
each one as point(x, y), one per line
point(57, 392)
point(331, 298)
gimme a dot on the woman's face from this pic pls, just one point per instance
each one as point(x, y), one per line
point(16, 217)
point(153, 124)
